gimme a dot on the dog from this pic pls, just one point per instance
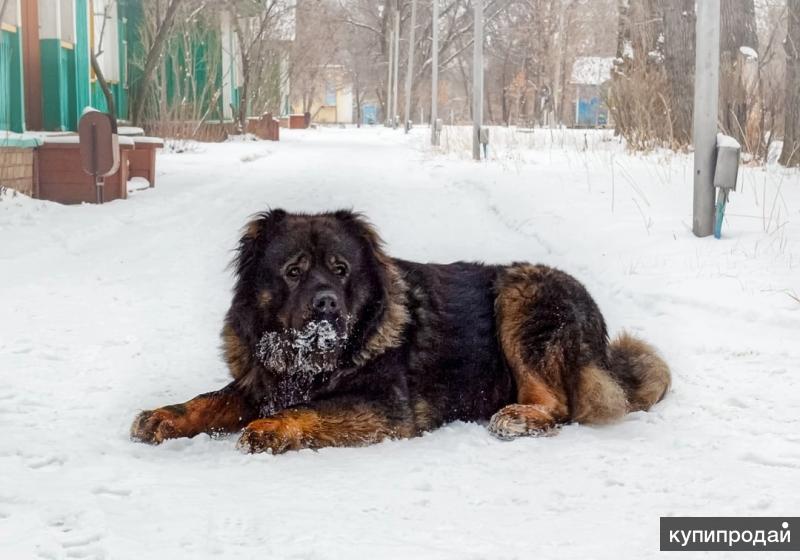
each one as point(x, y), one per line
point(330, 342)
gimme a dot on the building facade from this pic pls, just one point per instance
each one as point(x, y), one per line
point(47, 79)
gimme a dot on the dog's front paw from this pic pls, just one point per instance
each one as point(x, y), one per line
point(268, 435)
point(154, 426)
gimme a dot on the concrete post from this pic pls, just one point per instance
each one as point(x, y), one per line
point(477, 80)
point(388, 116)
point(396, 63)
point(410, 67)
point(704, 134)
point(435, 74)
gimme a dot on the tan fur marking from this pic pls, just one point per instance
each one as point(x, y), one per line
point(650, 368)
point(235, 352)
point(264, 299)
point(600, 399)
point(541, 399)
point(389, 333)
point(252, 229)
point(531, 390)
point(517, 292)
point(425, 417)
point(304, 428)
point(213, 413)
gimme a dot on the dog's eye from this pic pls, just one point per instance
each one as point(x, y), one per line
point(293, 272)
point(340, 269)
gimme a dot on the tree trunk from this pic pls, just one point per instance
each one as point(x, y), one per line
point(790, 155)
point(504, 92)
point(637, 73)
point(101, 80)
point(679, 38)
point(241, 118)
point(244, 55)
point(153, 58)
point(737, 29)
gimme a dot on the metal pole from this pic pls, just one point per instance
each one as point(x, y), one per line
point(388, 116)
point(396, 63)
point(410, 68)
point(477, 80)
point(706, 91)
point(435, 74)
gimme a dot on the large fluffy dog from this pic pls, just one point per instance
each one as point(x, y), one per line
point(330, 342)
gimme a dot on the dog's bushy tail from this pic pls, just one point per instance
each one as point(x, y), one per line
point(636, 379)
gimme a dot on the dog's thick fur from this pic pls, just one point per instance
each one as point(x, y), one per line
point(523, 346)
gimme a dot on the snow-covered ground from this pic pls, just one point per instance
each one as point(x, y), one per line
point(108, 310)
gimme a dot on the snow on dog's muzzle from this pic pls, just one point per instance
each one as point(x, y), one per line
point(312, 349)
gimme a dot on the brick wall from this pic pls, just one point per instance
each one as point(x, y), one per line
point(17, 170)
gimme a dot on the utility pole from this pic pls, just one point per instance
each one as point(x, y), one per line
point(477, 80)
point(410, 70)
point(396, 61)
point(435, 74)
point(704, 134)
point(388, 115)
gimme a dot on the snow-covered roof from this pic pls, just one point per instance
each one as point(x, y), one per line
point(591, 70)
point(16, 140)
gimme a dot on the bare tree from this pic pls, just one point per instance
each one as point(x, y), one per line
point(152, 59)
point(95, 52)
point(638, 97)
point(679, 39)
point(738, 69)
point(256, 25)
point(790, 155)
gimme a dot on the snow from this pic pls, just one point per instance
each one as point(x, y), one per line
point(627, 49)
point(591, 70)
point(748, 52)
point(110, 309)
point(131, 131)
point(725, 141)
point(148, 140)
point(138, 183)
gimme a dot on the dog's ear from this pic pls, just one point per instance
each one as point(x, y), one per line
point(358, 224)
point(255, 235)
point(385, 328)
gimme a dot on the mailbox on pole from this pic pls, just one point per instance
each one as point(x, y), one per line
point(99, 147)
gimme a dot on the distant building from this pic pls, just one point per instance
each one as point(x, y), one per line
point(589, 73)
point(333, 97)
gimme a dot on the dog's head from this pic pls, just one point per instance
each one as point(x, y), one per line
point(314, 293)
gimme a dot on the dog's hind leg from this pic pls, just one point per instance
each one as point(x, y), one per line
point(534, 336)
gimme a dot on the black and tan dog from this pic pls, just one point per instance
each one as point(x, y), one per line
point(330, 342)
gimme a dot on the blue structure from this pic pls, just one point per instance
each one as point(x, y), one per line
point(369, 114)
point(589, 73)
point(591, 112)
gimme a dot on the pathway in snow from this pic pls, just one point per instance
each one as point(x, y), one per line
point(108, 310)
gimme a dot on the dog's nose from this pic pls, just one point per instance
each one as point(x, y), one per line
point(325, 302)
